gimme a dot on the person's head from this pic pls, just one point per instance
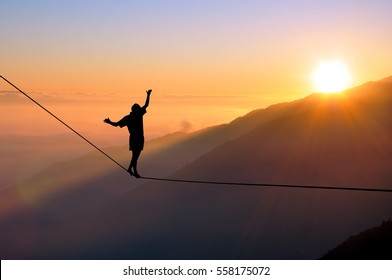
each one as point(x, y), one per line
point(136, 107)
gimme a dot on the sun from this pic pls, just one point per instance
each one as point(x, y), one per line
point(331, 77)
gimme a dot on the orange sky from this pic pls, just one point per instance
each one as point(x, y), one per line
point(261, 52)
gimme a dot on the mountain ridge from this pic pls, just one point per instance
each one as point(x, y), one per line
point(372, 244)
point(166, 220)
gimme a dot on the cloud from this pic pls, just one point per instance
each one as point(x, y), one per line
point(185, 125)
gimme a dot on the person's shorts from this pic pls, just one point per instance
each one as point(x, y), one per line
point(136, 143)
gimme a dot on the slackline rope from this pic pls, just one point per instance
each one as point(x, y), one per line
point(197, 181)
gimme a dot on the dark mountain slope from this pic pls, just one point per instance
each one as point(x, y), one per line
point(79, 177)
point(339, 140)
point(174, 157)
point(328, 140)
point(372, 244)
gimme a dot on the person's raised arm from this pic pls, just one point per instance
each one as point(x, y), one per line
point(147, 99)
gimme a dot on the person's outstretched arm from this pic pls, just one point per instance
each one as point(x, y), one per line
point(108, 121)
point(147, 99)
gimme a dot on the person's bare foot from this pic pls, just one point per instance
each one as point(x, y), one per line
point(130, 172)
point(137, 175)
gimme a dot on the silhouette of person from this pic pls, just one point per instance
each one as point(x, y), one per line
point(134, 122)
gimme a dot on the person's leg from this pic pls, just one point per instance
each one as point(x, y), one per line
point(130, 168)
point(130, 148)
point(135, 157)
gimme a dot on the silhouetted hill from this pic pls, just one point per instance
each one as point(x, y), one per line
point(336, 140)
point(87, 177)
point(173, 157)
point(372, 244)
point(339, 140)
point(67, 189)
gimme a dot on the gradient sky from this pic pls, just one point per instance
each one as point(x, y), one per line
point(260, 49)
